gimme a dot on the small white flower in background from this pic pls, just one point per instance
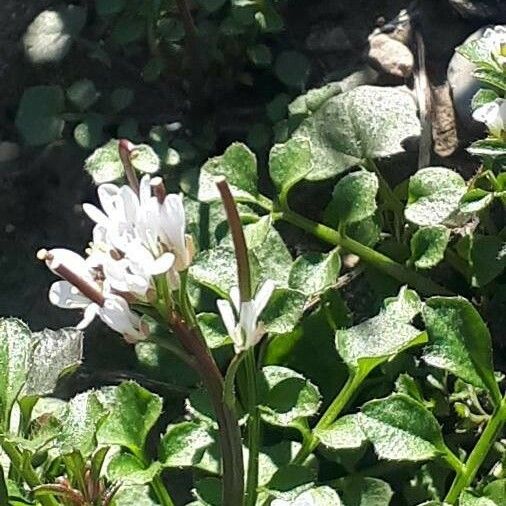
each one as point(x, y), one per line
point(305, 499)
point(495, 38)
point(83, 289)
point(245, 330)
point(493, 115)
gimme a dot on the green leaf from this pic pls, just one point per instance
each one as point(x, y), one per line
point(183, 444)
point(121, 98)
point(314, 272)
point(289, 163)
point(213, 330)
point(79, 424)
point(290, 481)
point(128, 469)
point(345, 433)
point(428, 246)
point(286, 396)
point(283, 311)
point(483, 96)
point(89, 134)
point(292, 69)
point(459, 342)
point(488, 147)
point(56, 352)
point(366, 122)
point(374, 341)
point(434, 196)
point(144, 159)
point(488, 258)
point(318, 496)
point(491, 76)
point(475, 200)
point(357, 491)
point(469, 499)
point(104, 164)
point(109, 7)
point(39, 115)
point(128, 29)
point(82, 94)
point(496, 491)
point(133, 414)
point(401, 428)
point(15, 354)
point(208, 492)
point(50, 35)
point(134, 494)
point(355, 196)
point(260, 55)
point(239, 166)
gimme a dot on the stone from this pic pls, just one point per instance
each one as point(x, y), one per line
point(464, 86)
point(493, 10)
point(327, 39)
point(390, 56)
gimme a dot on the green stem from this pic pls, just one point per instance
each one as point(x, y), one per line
point(161, 491)
point(479, 453)
point(330, 415)
point(381, 262)
point(254, 429)
point(26, 471)
point(387, 194)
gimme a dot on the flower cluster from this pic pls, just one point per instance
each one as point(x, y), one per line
point(138, 237)
point(495, 40)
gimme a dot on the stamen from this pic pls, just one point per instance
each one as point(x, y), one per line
point(158, 189)
point(125, 148)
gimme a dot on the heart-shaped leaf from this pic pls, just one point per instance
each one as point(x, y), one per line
point(128, 469)
point(401, 428)
point(366, 122)
point(183, 444)
point(358, 491)
point(459, 342)
point(286, 396)
point(15, 355)
point(289, 163)
point(488, 258)
point(354, 196)
point(39, 117)
point(428, 246)
point(314, 272)
point(239, 166)
point(55, 352)
point(283, 311)
point(290, 481)
point(133, 412)
point(345, 433)
point(434, 196)
point(378, 339)
point(79, 424)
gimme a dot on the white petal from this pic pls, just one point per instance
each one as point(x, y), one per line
point(66, 296)
point(89, 314)
point(227, 315)
point(162, 264)
point(130, 203)
point(95, 214)
point(144, 189)
point(69, 259)
point(235, 297)
point(248, 321)
point(263, 295)
point(107, 194)
point(116, 314)
point(173, 225)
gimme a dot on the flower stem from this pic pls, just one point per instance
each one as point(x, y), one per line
point(161, 491)
point(254, 429)
point(330, 415)
point(479, 453)
point(230, 434)
point(240, 247)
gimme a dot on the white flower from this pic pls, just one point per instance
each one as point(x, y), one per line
point(81, 290)
point(495, 38)
point(493, 115)
point(246, 331)
point(172, 223)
